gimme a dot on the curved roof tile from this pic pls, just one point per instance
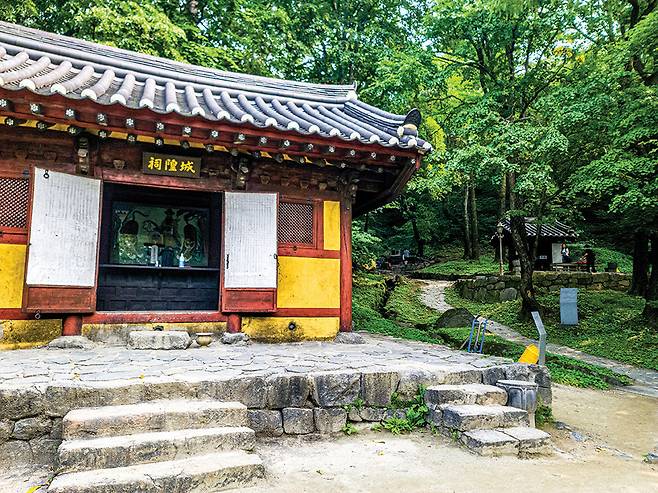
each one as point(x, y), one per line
point(46, 63)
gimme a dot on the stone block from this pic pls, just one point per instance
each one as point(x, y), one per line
point(250, 391)
point(531, 440)
point(455, 317)
point(335, 389)
point(266, 422)
point(545, 396)
point(234, 338)
point(159, 339)
point(71, 342)
point(373, 413)
point(298, 421)
point(508, 294)
point(349, 338)
point(28, 428)
point(6, 428)
point(329, 420)
point(44, 450)
point(492, 374)
point(17, 403)
point(15, 452)
point(287, 391)
point(377, 387)
point(490, 443)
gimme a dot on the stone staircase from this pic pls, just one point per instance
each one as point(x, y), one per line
point(173, 446)
point(476, 414)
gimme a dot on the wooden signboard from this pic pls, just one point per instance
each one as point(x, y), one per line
point(170, 165)
point(63, 243)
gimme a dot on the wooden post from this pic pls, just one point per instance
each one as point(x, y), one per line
point(72, 325)
point(234, 323)
point(346, 264)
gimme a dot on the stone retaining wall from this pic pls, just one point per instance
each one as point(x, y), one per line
point(31, 417)
point(505, 288)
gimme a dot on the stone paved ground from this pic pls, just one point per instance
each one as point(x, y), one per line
point(30, 367)
point(433, 295)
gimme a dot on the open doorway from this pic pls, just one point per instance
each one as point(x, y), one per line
point(159, 251)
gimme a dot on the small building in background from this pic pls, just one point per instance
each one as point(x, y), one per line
point(550, 237)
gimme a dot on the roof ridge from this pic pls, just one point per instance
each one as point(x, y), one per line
point(14, 35)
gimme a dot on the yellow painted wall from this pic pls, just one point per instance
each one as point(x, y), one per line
point(276, 329)
point(12, 273)
point(21, 334)
point(331, 225)
point(308, 282)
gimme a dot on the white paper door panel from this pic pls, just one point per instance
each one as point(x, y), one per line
point(250, 240)
point(63, 230)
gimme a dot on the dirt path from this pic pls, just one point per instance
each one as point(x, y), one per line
point(433, 295)
point(609, 457)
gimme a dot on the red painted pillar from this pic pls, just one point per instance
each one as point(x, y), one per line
point(234, 323)
point(346, 265)
point(72, 325)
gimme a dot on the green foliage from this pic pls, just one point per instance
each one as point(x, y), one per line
point(610, 325)
point(349, 429)
point(366, 248)
point(406, 416)
point(544, 416)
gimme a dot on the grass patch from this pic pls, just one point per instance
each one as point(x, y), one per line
point(610, 325)
point(485, 265)
point(407, 318)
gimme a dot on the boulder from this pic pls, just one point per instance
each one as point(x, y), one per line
point(329, 420)
point(373, 413)
point(159, 339)
point(455, 317)
point(508, 294)
point(17, 403)
point(6, 428)
point(298, 421)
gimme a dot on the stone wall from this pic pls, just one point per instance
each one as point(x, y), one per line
point(31, 416)
point(492, 289)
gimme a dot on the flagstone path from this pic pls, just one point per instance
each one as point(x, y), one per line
point(646, 380)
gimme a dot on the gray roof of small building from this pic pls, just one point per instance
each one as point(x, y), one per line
point(554, 229)
point(47, 63)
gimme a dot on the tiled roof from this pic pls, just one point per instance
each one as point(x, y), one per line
point(554, 229)
point(48, 63)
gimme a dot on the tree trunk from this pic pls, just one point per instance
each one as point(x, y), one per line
point(475, 231)
point(519, 239)
point(650, 312)
point(502, 197)
point(640, 279)
point(468, 250)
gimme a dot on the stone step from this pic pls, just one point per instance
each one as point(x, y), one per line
point(165, 415)
point(200, 474)
point(467, 417)
point(475, 393)
point(521, 441)
point(121, 451)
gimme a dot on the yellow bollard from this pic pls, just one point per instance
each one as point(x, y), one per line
point(530, 355)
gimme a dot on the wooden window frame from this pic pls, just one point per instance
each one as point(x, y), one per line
point(305, 249)
point(11, 235)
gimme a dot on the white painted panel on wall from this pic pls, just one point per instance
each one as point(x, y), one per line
point(63, 230)
point(250, 240)
point(556, 251)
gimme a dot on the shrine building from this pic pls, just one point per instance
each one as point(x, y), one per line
point(137, 191)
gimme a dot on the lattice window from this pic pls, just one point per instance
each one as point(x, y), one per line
point(14, 197)
point(296, 223)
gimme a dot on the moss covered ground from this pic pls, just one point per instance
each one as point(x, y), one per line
point(396, 310)
point(610, 324)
